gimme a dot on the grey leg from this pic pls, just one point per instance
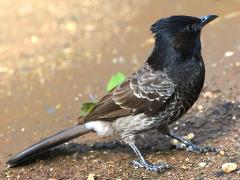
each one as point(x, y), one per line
point(142, 163)
point(189, 146)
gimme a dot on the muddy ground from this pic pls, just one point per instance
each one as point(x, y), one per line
point(55, 55)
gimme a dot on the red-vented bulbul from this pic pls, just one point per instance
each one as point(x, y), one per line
point(158, 94)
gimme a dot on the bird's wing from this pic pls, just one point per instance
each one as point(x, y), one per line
point(146, 91)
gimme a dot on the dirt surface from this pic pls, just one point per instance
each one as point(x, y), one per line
point(55, 55)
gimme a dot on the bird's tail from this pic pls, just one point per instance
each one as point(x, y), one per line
point(48, 143)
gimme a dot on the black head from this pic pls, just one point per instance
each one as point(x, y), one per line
point(181, 32)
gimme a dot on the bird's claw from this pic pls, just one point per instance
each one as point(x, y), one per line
point(194, 148)
point(150, 167)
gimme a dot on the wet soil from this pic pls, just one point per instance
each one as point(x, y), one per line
point(55, 55)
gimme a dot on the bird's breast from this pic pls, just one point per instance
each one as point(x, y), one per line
point(191, 80)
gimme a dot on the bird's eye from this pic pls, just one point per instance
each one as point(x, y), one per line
point(203, 18)
point(190, 28)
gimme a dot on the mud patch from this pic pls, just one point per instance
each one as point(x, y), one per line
point(112, 159)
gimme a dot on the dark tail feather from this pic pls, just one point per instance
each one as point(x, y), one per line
point(48, 143)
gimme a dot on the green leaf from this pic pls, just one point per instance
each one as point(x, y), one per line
point(115, 80)
point(86, 108)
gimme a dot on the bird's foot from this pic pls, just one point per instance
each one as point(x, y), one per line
point(150, 167)
point(195, 148)
point(187, 145)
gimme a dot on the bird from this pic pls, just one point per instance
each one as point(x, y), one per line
point(160, 92)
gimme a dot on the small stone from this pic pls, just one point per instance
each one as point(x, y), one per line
point(34, 39)
point(71, 27)
point(184, 167)
point(200, 107)
point(91, 176)
point(214, 65)
point(174, 141)
point(229, 53)
point(229, 167)
point(222, 152)
point(202, 164)
point(4, 69)
point(8, 174)
point(58, 106)
point(190, 136)
point(207, 94)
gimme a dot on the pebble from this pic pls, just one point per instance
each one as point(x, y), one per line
point(214, 65)
point(200, 107)
point(4, 69)
point(222, 152)
point(207, 94)
point(229, 167)
point(71, 27)
point(228, 54)
point(91, 176)
point(34, 39)
point(174, 141)
point(184, 167)
point(202, 164)
point(190, 136)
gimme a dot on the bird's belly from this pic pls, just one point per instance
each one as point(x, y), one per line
point(127, 127)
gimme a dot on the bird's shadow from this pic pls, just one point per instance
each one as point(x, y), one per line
point(213, 122)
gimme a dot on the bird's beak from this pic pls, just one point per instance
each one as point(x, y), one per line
point(206, 19)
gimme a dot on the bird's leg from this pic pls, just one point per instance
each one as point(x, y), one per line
point(142, 163)
point(189, 146)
